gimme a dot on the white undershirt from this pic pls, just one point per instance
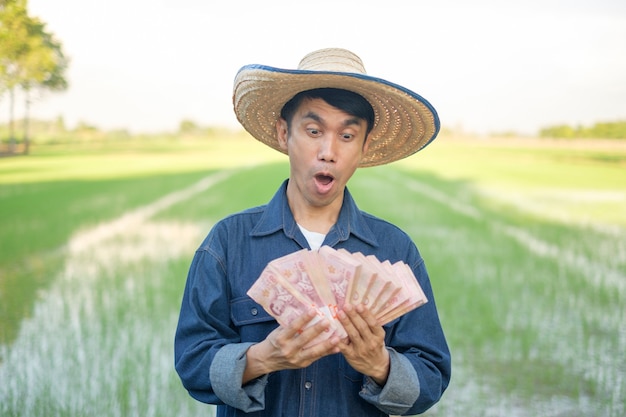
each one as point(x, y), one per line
point(315, 239)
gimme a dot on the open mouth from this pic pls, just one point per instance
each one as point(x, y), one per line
point(324, 179)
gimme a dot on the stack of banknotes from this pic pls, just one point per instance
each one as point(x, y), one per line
point(327, 279)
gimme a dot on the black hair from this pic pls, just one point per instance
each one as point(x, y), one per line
point(348, 101)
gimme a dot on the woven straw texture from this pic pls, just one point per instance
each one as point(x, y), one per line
point(404, 121)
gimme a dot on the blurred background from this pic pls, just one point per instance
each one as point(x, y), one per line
point(119, 149)
point(487, 66)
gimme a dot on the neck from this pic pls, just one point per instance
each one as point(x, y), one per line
point(314, 222)
point(312, 217)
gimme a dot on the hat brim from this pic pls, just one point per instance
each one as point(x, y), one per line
point(404, 123)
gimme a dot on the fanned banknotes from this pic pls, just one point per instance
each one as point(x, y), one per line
point(327, 279)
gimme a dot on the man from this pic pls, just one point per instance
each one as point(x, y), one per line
point(329, 117)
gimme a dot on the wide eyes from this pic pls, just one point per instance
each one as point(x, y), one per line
point(315, 133)
point(347, 136)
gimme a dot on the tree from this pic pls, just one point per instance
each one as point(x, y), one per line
point(559, 131)
point(44, 66)
point(187, 126)
point(30, 57)
point(604, 130)
point(13, 46)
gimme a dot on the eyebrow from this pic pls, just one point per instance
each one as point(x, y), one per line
point(314, 116)
point(348, 122)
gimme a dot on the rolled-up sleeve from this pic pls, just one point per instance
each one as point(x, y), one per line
point(226, 373)
point(399, 392)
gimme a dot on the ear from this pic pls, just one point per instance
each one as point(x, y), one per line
point(366, 145)
point(282, 133)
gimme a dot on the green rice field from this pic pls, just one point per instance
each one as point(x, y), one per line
point(525, 242)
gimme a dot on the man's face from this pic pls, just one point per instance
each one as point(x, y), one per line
point(325, 146)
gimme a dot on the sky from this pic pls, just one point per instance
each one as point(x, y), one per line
point(487, 66)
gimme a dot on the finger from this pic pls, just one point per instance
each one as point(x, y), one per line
point(323, 348)
point(365, 313)
point(312, 347)
point(358, 315)
point(370, 319)
point(297, 326)
point(361, 325)
point(313, 330)
point(292, 344)
point(349, 319)
point(344, 318)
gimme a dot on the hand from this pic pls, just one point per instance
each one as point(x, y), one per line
point(365, 349)
point(284, 348)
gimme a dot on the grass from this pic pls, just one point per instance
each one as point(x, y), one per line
point(530, 287)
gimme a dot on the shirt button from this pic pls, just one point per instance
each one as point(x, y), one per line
point(254, 311)
point(307, 385)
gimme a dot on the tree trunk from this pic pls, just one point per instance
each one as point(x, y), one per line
point(11, 120)
point(26, 122)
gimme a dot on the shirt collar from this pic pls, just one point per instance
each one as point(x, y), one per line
point(278, 215)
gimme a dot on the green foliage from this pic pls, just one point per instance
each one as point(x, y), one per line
point(30, 58)
point(56, 131)
point(600, 130)
point(187, 126)
point(29, 55)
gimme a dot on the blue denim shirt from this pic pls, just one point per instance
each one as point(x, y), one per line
point(218, 322)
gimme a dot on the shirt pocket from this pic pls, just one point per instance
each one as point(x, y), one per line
point(349, 373)
point(253, 322)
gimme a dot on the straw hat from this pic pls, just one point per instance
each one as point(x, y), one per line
point(404, 121)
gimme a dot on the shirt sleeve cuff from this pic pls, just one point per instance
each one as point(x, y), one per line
point(226, 374)
point(399, 392)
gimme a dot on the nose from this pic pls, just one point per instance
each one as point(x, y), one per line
point(327, 149)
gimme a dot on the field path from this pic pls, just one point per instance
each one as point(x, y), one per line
point(117, 226)
point(105, 320)
point(598, 273)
